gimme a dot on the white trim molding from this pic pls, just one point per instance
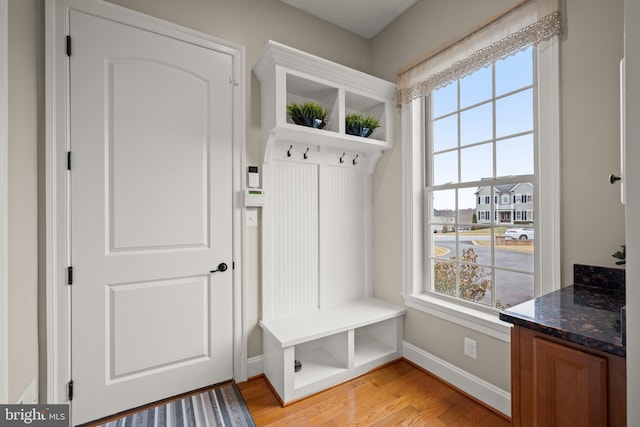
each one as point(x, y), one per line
point(4, 201)
point(480, 389)
point(56, 182)
point(255, 366)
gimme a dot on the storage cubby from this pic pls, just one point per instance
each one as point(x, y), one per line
point(355, 103)
point(302, 90)
point(375, 341)
point(317, 285)
point(321, 358)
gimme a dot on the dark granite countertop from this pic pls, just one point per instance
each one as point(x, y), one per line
point(587, 315)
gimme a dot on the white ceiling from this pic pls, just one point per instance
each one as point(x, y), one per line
point(363, 17)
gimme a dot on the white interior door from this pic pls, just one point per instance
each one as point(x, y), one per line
point(151, 215)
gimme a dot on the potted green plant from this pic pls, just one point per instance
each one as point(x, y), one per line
point(357, 124)
point(308, 114)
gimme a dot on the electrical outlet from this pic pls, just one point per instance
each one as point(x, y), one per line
point(470, 348)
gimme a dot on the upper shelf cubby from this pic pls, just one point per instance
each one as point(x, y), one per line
point(301, 90)
point(288, 75)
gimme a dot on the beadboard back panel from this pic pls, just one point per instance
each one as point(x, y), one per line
point(345, 237)
point(293, 197)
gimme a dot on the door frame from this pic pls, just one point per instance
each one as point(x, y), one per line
point(58, 296)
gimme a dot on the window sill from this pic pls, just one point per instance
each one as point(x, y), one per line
point(477, 320)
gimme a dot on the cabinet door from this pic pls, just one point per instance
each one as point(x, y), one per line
point(569, 386)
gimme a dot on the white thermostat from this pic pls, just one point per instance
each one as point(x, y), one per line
point(254, 197)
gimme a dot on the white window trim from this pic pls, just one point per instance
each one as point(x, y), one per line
point(547, 258)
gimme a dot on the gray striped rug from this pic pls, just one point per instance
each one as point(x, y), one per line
point(219, 407)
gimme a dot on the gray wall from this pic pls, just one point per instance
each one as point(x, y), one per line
point(26, 73)
point(592, 217)
point(590, 54)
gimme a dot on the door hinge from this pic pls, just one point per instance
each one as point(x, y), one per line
point(233, 82)
point(68, 45)
point(69, 275)
point(68, 160)
point(70, 390)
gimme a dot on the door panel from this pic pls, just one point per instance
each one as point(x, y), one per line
point(569, 386)
point(151, 215)
point(155, 341)
point(157, 157)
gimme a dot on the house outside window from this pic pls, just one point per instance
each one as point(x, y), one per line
point(509, 213)
point(483, 145)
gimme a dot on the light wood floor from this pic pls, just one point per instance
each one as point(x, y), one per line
point(397, 394)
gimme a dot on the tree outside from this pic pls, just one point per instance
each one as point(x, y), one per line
point(474, 280)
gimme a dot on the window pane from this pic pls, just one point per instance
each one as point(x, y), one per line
point(514, 156)
point(444, 275)
point(466, 205)
point(445, 133)
point(483, 205)
point(476, 124)
point(445, 168)
point(514, 72)
point(512, 288)
point(476, 162)
point(514, 114)
point(475, 280)
point(514, 253)
point(476, 87)
point(445, 100)
point(444, 206)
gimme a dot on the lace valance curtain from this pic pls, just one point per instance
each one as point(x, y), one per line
point(527, 23)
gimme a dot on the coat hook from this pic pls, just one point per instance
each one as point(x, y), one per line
point(289, 151)
point(342, 158)
point(355, 158)
point(306, 156)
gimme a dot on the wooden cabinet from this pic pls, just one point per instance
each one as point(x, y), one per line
point(559, 383)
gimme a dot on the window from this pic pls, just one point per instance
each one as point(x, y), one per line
point(480, 130)
point(482, 141)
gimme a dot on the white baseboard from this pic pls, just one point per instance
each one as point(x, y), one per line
point(30, 395)
point(480, 389)
point(255, 366)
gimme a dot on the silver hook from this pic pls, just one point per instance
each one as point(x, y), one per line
point(342, 158)
point(306, 156)
point(355, 158)
point(289, 151)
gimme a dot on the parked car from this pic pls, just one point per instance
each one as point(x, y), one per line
point(519, 233)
